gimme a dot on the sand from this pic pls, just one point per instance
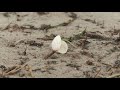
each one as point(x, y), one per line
point(25, 39)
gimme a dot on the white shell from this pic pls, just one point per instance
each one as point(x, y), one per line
point(63, 48)
point(56, 43)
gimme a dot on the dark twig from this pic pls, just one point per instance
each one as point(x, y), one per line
point(50, 54)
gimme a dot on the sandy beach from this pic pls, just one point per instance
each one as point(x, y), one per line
point(93, 40)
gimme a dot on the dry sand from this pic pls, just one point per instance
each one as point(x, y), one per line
point(25, 39)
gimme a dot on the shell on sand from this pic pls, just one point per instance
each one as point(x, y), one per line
point(56, 43)
point(63, 48)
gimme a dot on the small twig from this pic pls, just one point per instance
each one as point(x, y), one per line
point(7, 27)
point(50, 54)
point(10, 69)
point(115, 75)
point(97, 73)
point(70, 43)
point(106, 64)
point(16, 69)
point(97, 36)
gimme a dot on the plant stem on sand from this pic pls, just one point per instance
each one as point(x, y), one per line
point(49, 55)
